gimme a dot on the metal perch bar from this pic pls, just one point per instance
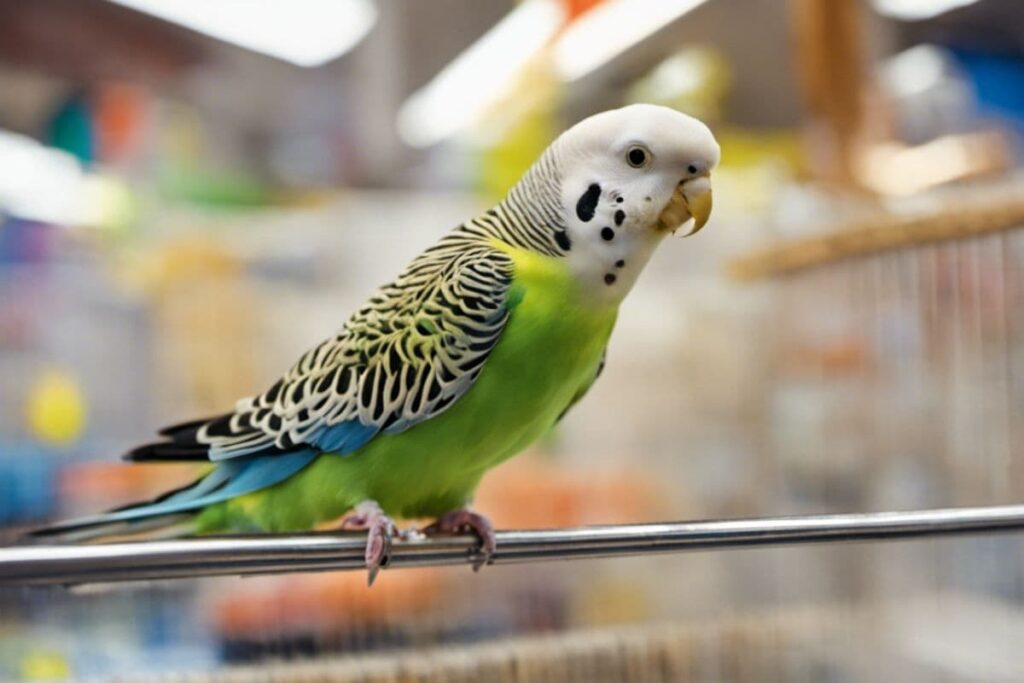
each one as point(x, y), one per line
point(327, 551)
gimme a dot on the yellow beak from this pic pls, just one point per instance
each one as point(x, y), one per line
point(697, 196)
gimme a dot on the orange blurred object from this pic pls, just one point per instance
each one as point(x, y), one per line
point(96, 486)
point(324, 601)
point(120, 122)
point(530, 492)
point(575, 8)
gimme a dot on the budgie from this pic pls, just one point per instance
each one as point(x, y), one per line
point(473, 352)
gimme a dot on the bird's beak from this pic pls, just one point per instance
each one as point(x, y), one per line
point(692, 199)
point(697, 195)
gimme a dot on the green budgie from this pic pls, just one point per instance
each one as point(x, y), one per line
point(475, 351)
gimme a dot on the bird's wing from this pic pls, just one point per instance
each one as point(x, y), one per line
point(411, 352)
point(585, 388)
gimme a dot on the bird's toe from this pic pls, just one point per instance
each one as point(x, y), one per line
point(461, 521)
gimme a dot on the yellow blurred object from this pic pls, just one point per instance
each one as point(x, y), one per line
point(756, 167)
point(41, 665)
point(55, 408)
point(109, 203)
point(502, 164)
point(182, 136)
point(203, 318)
point(695, 80)
point(182, 261)
point(518, 129)
point(613, 600)
point(748, 148)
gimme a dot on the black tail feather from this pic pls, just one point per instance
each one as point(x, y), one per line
point(98, 526)
point(167, 451)
point(181, 444)
point(169, 526)
point(190, 427)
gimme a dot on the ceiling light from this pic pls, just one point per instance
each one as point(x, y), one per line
point(609, 29)
point(304, 32)
point(917, 10)
point(475, 79)
point(37, 182)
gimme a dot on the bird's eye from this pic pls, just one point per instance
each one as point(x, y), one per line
point(692, 168)
point(637, 156)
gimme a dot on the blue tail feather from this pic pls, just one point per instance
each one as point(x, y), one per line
point(228, 480)
point(345, 437)
point(233, 476)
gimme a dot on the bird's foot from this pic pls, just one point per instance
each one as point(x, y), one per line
point(380, 530)
point(462, 521)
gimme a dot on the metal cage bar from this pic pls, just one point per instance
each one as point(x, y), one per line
point(329, 551)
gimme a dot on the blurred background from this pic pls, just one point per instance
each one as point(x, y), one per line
point(192, 193)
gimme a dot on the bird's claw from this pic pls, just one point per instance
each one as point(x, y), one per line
point(461, 521)
point(380, 530)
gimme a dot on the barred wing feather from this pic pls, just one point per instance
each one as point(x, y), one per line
point(406, 356)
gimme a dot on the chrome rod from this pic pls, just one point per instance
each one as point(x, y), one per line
point(330, 551)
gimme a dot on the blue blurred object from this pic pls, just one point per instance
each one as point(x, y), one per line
point(71, 128)
point(27, 483)
point(998, 81)
point(25, 241)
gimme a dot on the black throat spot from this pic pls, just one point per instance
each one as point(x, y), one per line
point(587, 204)
point(563, 240)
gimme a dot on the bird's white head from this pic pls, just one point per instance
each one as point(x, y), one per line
point(628, 177)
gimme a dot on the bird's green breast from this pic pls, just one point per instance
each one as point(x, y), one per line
point(549, 350)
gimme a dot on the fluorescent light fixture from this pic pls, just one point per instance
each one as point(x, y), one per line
point(917, 10)
point(304, 32)
point(39, 183)
point(479, 76)
point(611, 28)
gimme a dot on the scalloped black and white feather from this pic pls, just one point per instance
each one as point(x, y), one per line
point(417, 345)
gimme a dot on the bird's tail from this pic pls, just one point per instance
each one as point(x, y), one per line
point(154, 529)
point(141, 521)
point(173, 513)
